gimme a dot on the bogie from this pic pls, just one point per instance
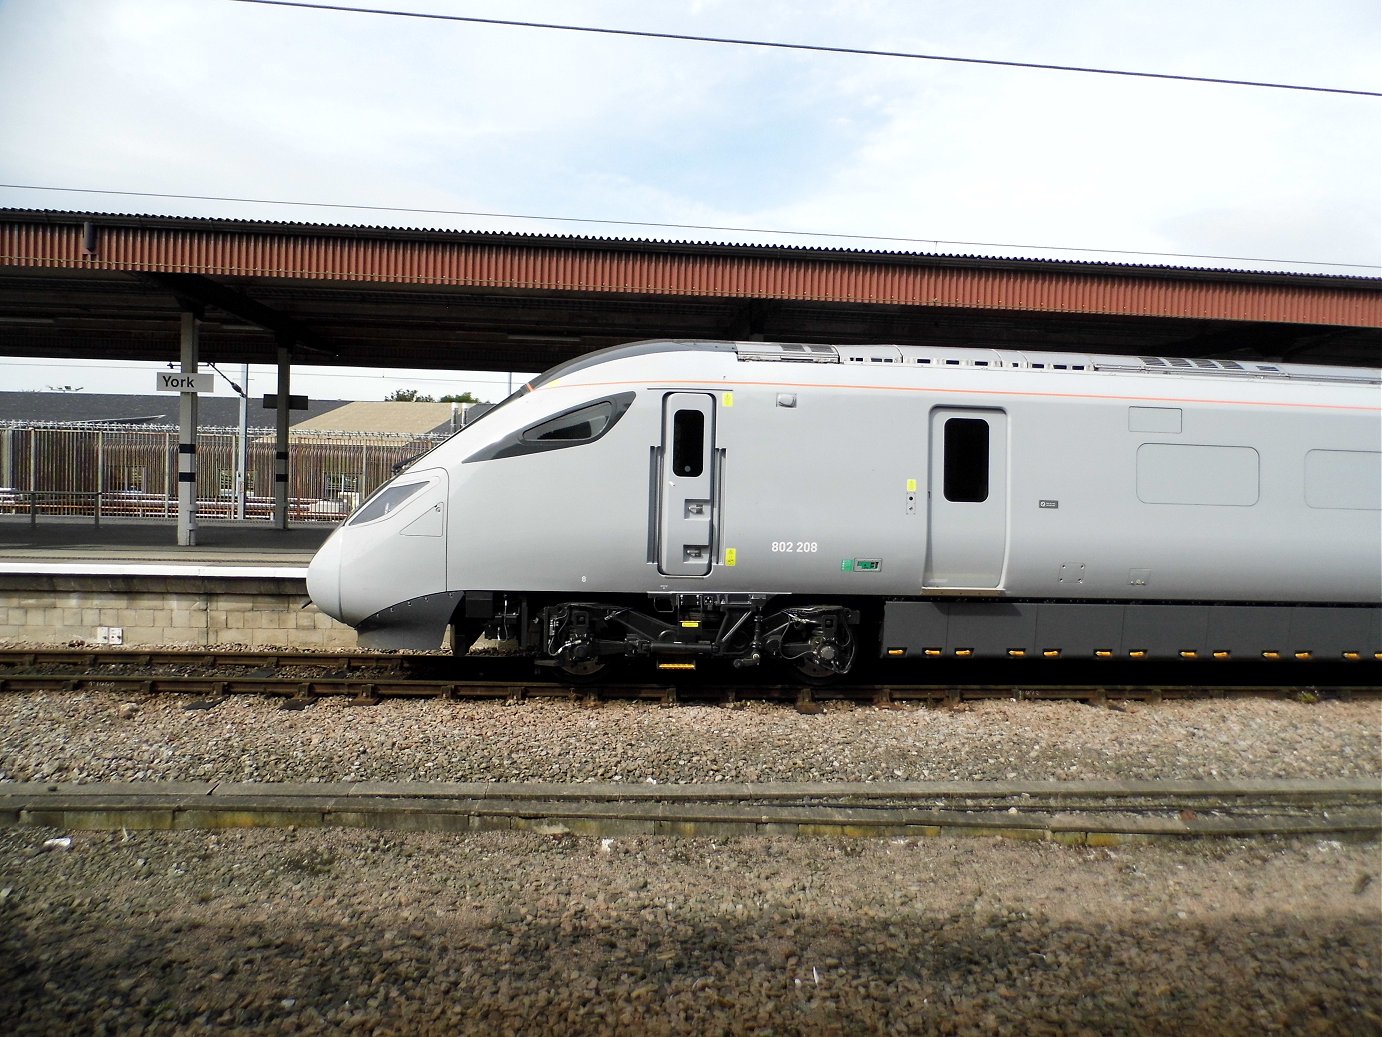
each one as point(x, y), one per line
point(582, 639)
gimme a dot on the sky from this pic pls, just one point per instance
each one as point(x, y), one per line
point(394, 121)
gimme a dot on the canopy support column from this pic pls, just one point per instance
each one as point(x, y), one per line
point(281, 436)
point(187, 436)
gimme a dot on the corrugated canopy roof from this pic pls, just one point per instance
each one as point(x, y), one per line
point(99, 285)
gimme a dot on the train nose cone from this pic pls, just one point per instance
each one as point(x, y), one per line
point(324, 577)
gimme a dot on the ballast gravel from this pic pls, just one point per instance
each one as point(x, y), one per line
point(325, 931)
point(93, 736)
point(339, 931)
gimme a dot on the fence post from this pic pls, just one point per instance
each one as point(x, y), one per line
point(33, 476)
point(100, 472)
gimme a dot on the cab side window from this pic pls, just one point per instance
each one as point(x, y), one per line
point(574, 427)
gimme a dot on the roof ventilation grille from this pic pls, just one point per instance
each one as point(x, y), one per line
point(789, 352)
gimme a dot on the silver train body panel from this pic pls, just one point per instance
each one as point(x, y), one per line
point(883, 472)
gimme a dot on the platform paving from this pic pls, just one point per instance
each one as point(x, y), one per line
point(60, 540)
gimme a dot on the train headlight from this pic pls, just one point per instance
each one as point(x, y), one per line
point(386, 501)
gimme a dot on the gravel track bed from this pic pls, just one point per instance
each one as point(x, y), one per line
point(94, 736)
point(341, 931)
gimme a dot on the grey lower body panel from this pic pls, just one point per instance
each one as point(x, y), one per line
point(1001, 629)
point(418, 624)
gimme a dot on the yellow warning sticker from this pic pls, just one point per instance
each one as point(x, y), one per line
point(729, 555)
point(911, 486)
point(727, 398)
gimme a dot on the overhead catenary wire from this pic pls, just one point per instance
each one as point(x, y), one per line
point(812, 47)
point(936, 242)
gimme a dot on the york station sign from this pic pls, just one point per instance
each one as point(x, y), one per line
point(177, 381)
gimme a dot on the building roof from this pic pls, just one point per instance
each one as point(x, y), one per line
point(376, 418)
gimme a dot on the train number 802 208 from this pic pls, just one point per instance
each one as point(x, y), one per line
point(794, 547)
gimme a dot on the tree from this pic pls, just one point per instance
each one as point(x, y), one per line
point(464, 397)
point(407, 396)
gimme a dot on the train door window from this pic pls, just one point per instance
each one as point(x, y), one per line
point(966, 460)
point(688, 443)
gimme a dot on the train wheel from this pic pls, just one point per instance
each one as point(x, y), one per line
point(826, 658)
point(587, 671)
point(814, 674)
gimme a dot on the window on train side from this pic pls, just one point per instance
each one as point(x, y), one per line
point(966, 460)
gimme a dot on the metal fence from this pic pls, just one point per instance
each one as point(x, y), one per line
point(119, 471)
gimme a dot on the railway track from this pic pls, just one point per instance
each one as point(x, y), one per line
point(1081, 812)
point(301, 677)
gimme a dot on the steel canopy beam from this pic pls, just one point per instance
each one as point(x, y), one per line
point(194, 290)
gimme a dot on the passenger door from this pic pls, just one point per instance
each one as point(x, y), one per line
point(967, 497)
point(686, 480)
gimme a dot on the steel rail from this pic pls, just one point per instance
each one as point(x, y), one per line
point(91, 656)
point(302, 690)
point(302, 677)
point(1080, 812)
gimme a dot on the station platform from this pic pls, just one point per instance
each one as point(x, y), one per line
point(154, 541)
point(129, 583)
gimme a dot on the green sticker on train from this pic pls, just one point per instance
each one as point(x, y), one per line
point(861, 565)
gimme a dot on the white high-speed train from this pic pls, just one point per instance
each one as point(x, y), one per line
point(687, 501)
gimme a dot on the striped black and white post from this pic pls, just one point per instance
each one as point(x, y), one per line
point(187, 437)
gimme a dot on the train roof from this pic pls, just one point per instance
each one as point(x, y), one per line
point(968, 357)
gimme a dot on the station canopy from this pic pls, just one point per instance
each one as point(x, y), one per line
point(92, 285)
